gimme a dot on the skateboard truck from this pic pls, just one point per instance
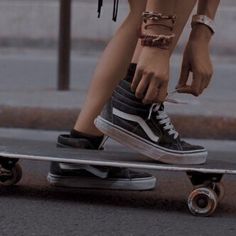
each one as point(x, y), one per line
point(198, 178)
point(10, 172)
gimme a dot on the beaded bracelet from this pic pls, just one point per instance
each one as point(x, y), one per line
point(154, 16)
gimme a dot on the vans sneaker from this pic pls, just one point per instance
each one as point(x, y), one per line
point(96, 177)
point(146, 128)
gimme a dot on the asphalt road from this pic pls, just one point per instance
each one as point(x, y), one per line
point(34, 208)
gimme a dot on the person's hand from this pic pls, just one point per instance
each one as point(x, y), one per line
point(151, 78)
point(196, 60)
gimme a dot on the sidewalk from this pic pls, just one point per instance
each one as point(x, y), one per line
point(216, 146)
point(29, 99)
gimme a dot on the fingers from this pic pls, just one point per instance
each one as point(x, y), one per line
point(199, 83)
point(196, 84)
point(149, 88)
point(152, 92)
point(184, 75)
point(206, 81)
point(162, 92)
point(155, 93)
point(137, 77)
point(143, 86)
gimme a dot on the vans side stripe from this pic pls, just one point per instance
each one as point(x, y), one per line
point(139, 120)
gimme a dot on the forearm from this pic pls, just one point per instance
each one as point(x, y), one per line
point(201, 32)
point(182, 11)
point(208, 8)
point(163, 7)
point(196, 57)
point(180, 8)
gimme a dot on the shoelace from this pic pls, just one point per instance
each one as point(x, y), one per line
point(169, 99)
point(115, 8)
point(163, 119)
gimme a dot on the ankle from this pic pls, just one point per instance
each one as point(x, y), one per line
point(78, 134)
point(96, 141)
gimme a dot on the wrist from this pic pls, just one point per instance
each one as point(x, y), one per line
point(201, 32)
point(157, 52)
point(158, 29)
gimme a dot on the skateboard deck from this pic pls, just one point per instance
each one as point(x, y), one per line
point(47, 151)
point(205, 178)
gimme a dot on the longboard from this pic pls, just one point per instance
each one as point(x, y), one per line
point(206, 179)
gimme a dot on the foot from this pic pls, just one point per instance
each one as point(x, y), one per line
point(87, 176)
point(146, 128)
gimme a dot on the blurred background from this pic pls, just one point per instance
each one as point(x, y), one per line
point(37, 92)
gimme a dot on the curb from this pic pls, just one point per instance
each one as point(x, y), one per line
point(204, 127)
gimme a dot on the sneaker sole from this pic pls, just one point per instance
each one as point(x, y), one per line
point(96, 183)
point(147, 148)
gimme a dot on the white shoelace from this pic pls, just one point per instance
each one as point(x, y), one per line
point(163, 120)
point(170, 99)
point(163, 117)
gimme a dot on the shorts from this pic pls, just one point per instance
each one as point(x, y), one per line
point(115, 8)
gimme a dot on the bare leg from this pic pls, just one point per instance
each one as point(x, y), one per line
point(111, 68)
point(182, 10)
point(117, 56)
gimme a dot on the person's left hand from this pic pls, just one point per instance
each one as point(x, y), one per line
point(196, 59)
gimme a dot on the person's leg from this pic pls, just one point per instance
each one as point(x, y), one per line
point(147, 128)
point(116, 58)
point(111, 68)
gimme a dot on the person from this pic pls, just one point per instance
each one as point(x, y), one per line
point(132, 110)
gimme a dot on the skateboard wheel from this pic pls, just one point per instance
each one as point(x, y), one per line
point(202, 201)
point(14, 176)
point(218, 188)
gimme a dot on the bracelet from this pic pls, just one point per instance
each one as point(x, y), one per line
point(154, 16)
point(158, 24)
point(205, 20)
point(158, 41)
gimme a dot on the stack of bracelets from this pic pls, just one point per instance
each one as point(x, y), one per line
point(157, 40)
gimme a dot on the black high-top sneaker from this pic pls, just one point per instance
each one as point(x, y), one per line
point(146, 128)
point(88, 176)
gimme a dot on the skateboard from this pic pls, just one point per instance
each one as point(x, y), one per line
point(207, 191)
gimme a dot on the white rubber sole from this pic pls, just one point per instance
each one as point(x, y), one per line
point(138, 184)
point(149, 149)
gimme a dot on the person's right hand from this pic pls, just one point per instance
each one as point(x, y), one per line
point(151, 78)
